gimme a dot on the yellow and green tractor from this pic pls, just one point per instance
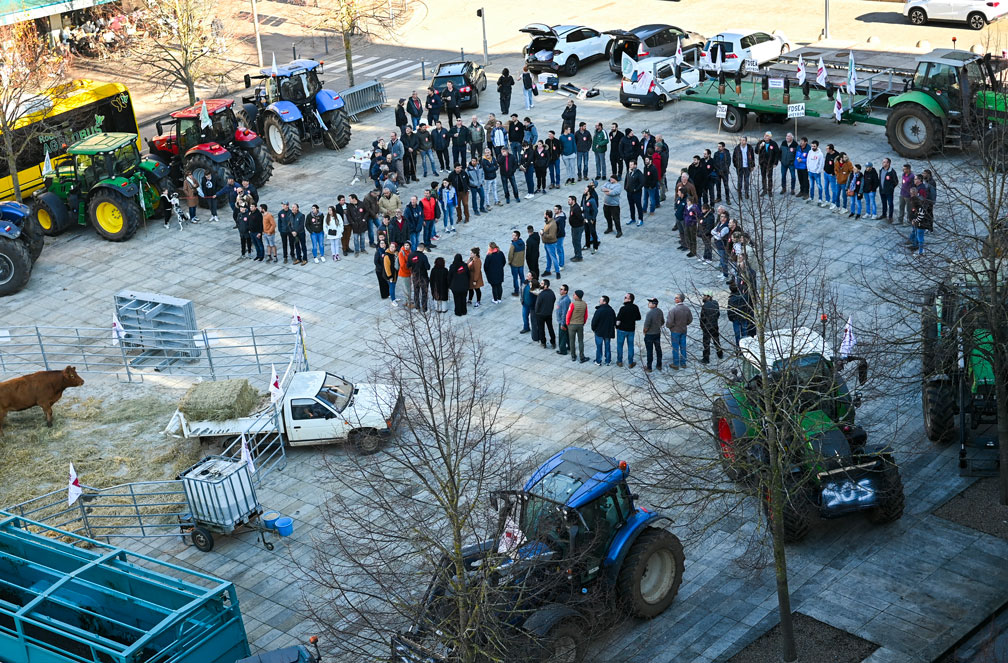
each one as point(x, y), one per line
point(101, 180)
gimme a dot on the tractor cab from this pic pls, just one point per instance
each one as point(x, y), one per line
point(954, 77)
point(296, 81)
point(103, 157)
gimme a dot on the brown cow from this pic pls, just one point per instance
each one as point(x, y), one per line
point(43, 389)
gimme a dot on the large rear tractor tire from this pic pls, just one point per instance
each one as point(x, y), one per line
point(890, 498)
point(564, 643)
point(995, 148)
point(241, 115)
point(913, 131)
point(652, 572)
point(32, 237)
point(262, 162)
point(338, 123)
point(115, 217)
point(282, 139)
point(938, 403)
point(51, 214)
point(726, 444)
point(199, 164)
point(15, 265)
point(796, 516)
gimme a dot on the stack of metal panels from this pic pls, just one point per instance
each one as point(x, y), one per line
point(161, 327)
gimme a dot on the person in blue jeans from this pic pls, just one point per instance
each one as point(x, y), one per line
point(626, 327)
point(603, 324)
point(678, 320)
point(516, 261)
point(528, 298)
point(652, 183)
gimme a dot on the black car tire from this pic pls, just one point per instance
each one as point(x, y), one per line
point(202, 539)
point(475, 98)
point(917, 16)
point(976, 21)
point(571, 66)
point(891, 499)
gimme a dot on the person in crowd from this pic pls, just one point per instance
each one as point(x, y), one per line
point(549, 240)
point(390, 270)
point(906, 184)
point(414, 108)
point(560, 311)
point(842, 170)
point(269, 233)
point(599, 145)
point(801, 167)
point(493, 267)
point(425, 146)
point(477, 138)
point(611, 205)
point(603, 325)
point(241, 219)
point(420, 274)
point(788, 162)
point(358, 225)
point(744, 160)
point(709, 315)
point(411, 150)
point(458, 283)
point(333, 226)
point(532, 244)
point(405, 279)
point(528, 87)
point(439, 285)
point(489, 165)
point(449, 201)
point(540, 162)
point(299, 238)
point(815, 161)
point(767, 156)
point(679, 318)
point(440, 140)
point(577, 316)
point(544, 304)
point(615, 160)
point(554, 152)
point(568, 116)
point(530, 288)
point(475, 276)
point(314, 223)
point(504, 84)
point(888, 178)
point(855, 191)
point(653, 321)
point(516, 261)
point(633, 185)
point(507, 167)
point(626, 327)
point(589, 210)
point(576, 222)
point(568, 154)
point(450, 98)
point(433, 104)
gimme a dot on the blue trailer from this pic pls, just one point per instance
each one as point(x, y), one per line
point(68, 599)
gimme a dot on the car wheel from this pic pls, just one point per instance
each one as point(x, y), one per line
point(571, 67)
point(475, 99)
point(785, 48)
point(917, 16)
point(976, 21)
point(660, 104)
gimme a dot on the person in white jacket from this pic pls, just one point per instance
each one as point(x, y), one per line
point(816, 161)
point(334, 223)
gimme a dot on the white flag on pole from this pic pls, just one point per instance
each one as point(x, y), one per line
point(678, 51)
point(246, 456)
point(47, 167)
point(848, 342)
point(838, 108)
point(273, 70)
point(73, 488)
point(296, 321)
point(117, 329)
point(274, 388)
point(820, 78)
point(204, 117)
point(851, 74)
point(801, 71)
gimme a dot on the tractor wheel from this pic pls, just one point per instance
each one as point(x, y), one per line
point(15, 265)
point(929, 339)
point(889, 490)
point(366, 442)
point(734, 120)
point(52, 214)
point(282, 139)
point(726, 445)
point(263, 168)
point(913, 131)
point(243, 119)
point(202, 539)
point(32, 237)
point(652, 572)
point(158, 187)
point(995, 148)
point(199, 164)
point(939, 411)
point(797, 519)
point(114, 217)
point(338, 123)
point(564, 643)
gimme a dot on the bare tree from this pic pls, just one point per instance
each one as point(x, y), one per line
point(774, 423)
point(32, 73)
point(348, 18)
point(183, 44)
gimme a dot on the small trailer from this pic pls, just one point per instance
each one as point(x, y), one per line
point(68, 599)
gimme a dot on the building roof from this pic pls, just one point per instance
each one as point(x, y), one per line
point(101, 142)
point(213, 106)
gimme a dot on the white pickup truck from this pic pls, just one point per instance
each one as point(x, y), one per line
point(316, 408)
point(652, 82)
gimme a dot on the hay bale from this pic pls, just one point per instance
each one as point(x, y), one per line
point(219, 400)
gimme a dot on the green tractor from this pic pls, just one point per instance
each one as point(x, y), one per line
point(101, 180)
point(958, 396)
point(831, 468)
point(955, 97)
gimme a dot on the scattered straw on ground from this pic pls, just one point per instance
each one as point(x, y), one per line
point(220, 400)
point(109, 442)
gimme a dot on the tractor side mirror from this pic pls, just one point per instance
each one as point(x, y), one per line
point(734, 373)
point(634, 496)
point(248, 81)
point(159, 127)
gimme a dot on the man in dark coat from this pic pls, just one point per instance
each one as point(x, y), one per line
point(544, 314)
point(569, 116)
point(710, 312)
point(744, 160)
point(768, 155)
point(615, 160)
point(603, 324)
point(532, 252)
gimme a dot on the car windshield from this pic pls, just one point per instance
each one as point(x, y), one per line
point(336, 391)
point(301, 86)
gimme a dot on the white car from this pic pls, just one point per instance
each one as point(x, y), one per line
point(563, 47)
point(975, 13)
point(739, 46)
point(653, 82)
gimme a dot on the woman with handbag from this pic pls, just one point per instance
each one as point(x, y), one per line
point(528, 87)
point(334, 231)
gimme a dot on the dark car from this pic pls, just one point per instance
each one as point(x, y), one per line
point(468, 78)
point(653, 40)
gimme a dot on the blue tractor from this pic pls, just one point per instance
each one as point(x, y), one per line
point(20, 246)
point(290, 107)
point(564, 546)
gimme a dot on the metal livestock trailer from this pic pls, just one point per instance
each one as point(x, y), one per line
point(68, 599)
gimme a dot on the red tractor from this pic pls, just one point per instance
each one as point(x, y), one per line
point(206, 136)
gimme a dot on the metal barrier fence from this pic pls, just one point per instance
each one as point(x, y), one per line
point(222, 353)
point(363, 97)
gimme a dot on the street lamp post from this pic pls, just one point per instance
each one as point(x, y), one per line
point(826, 30)
point(486, 56)
point(255, 25)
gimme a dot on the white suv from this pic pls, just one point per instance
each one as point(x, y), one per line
point(975, 13)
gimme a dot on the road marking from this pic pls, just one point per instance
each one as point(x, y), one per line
point(414, 68)
point(359, 61)
point(398, 64)
point(384, 63)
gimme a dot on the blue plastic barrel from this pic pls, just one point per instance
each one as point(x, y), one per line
point(285, 526)
point(270, 518)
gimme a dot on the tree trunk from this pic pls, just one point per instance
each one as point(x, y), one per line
point(1001, 390)
point(787, 641)
point(10, 157)
point(348, 55)
point(191, 89)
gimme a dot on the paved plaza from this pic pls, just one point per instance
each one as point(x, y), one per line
point(915, 587)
